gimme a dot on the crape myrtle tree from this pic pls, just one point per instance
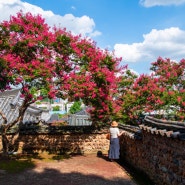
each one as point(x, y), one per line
point(44, 62)
point(170, 77)
point(162, 91)
point(126, 95)
point(27, 63)
point(92, 76)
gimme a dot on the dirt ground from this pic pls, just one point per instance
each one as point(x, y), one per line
point(77, 170)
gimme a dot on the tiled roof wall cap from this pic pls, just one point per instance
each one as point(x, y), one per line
point(145, 127)
point(169, 133)
point(132, 132)
point(154, 130)
point(129, 128)
point(165, 124)
point(164, 121)
point(175, 134)
point(129, 134)
point(164, 132)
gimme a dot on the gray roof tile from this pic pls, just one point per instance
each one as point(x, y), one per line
point(10, 101)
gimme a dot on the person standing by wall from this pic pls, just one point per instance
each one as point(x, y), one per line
point(114, 148)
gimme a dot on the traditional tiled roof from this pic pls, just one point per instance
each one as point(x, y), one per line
point(53, 118)
point(133, 132)
point(82, 112)
point(173, 129)
point(81, 118)
point(10, 101)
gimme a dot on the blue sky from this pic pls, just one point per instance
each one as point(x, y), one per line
point(139, 31)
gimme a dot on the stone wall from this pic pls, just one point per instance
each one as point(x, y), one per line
point(159, 156)
point(80, 143)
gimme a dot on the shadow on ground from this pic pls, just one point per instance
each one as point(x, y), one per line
point(76, 170)
point(55, 177)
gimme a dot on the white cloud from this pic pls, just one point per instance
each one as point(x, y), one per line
point(77, 25)
point(167, 43)
point(150, 3)
point(95, 33)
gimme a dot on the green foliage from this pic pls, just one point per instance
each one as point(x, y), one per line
point(76, 107)
point(38, 103)
point(62, 115)
point(56, 108)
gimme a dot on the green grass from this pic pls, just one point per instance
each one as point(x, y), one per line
point(49, 157)
point(16, 164)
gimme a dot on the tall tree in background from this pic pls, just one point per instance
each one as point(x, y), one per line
point(126, 96)
point(170, 77)
point(162, 91)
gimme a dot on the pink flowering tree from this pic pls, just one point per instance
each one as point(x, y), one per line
point(162, 91)
point(126, 96)
point(170, 77)
point(27, 62)
point(90, 77)
point(44, 62)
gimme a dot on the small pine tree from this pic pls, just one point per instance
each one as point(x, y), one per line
point(76, 107)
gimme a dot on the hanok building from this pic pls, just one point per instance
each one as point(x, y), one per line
point(11, 100)
point(81, 118)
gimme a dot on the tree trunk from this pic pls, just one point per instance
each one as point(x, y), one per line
point(6, 126)
point(5, 142)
